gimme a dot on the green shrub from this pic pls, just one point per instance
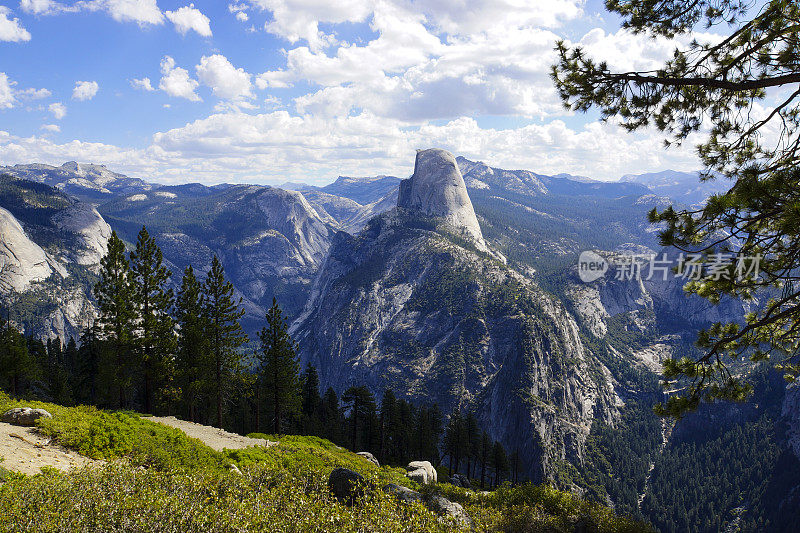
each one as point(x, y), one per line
point(306, 454)
point(121, 498)
point(113, 435)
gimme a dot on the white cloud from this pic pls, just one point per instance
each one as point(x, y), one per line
point(188, 18)
point(142, 12)
point(85, 90)
point(9, 95)
point(143, 84)
point(41, 7)
point(7, 99)
point(299, 19)
point(407, 72)
point(225, 80)
point(33, 94)
point(175, 81)
point(10, 29)
point(465, 17)
point(268, 147)
point(58, 110)
point(242, 16)
point(51, 128)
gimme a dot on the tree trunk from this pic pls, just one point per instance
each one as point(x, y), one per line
point(219, 390)
point(278, 415)
point(258, 407)
point(355, 423)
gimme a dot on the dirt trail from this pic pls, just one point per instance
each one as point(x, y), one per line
point(25, 450)
point(212, 437)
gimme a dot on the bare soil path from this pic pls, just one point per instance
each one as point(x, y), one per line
point(212, 437)
point(25, 450)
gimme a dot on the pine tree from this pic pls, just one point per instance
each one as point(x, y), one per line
point(16, 363)
point(87, 367)
point(56, 375)
point(428, 432)
point(712, 89)
point(331, 416)
point(278, 369)
point(155, 335)
point(455, 441)
point(194, 366)
point(499, 460)
point(389, 428)
point(486, 447)
point(363, 419)
point(225, 335)
point(311, 400)
point(472, 439)
point(116, 297)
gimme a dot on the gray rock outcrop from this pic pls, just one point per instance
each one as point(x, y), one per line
point(460, 480)
point(24, 416)
point(84, 224)
point(22, 261)
point(346, 485)
point(403, 494)
point(369, 457)
point(437, 189)
point(445, 508)
point(422, 472)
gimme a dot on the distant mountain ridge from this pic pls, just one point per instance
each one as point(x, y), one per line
point(87, 181)
point(683, 187)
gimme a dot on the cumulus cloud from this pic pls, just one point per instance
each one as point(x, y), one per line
point(41, 7)
point(33, 94)
point(464, 17)
point(300, 19)
point(58, 110)
point(175, 81)
point(85, 90)
point(142, 12)
point(10, 29)
point(10, 95)
point(225, 80)
point(7, 99)
point(51, 128)
point(188, 18)
point(424, 75)
point(143, 84)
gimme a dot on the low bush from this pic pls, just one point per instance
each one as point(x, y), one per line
point(118, 497)
point(114, 435)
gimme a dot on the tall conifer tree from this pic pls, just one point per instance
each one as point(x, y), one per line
point(225, 335)
point(194, 366)
point(278, 368)
point(155, 337)
point(115, 296)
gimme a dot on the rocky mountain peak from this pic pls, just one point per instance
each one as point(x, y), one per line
point(437, 189)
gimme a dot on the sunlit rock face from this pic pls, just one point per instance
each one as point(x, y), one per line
point(22, 261)
point(437, 189)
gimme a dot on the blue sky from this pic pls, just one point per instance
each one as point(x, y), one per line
point(273, 90)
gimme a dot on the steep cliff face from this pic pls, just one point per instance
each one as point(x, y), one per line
point(411, 304)
point(22, 261)
point(86, 232)
point(271, 241)
point(437, 189)
point(50, 249)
